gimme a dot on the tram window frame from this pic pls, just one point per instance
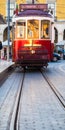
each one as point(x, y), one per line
point(21, 29)
point(45, 31)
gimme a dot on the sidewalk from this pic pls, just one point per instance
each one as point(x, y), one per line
point(4, 64)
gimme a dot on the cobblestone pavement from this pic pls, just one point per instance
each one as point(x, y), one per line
point(40, 109)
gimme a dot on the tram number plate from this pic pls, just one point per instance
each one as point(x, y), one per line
point(44, 57)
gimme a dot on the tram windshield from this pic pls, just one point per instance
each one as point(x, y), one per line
point(33, 29)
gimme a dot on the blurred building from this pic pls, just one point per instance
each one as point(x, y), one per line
point(55, 7)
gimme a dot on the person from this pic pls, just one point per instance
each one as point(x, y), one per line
point(0, 45)
point(47, 31)
point(43, 37)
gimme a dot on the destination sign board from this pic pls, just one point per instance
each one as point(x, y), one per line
point(33, 6)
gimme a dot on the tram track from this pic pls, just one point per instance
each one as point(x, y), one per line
point(19, 112)
point(12, 123)
point(54, 89)
point(14, 115)
point(18, 103)
point(10, 99)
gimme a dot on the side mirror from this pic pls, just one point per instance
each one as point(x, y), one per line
point(0, 45)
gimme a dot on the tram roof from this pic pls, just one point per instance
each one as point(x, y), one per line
point(34, 13)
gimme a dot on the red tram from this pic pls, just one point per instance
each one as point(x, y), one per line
point(33, 35)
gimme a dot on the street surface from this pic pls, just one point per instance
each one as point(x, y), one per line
point(39, 107)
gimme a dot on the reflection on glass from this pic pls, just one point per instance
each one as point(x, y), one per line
point(21, 26)
point(45, 29)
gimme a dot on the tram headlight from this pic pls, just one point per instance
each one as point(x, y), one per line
point(32, 51)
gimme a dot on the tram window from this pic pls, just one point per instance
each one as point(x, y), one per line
point(33, 29)
point(21, 26)
point(45, 29)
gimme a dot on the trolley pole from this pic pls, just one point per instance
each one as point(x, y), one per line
point(32, 1)
point(8, 30)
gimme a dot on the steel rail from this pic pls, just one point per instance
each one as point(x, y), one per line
point(15, 110)
point(54, 89)
point(18, 104)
